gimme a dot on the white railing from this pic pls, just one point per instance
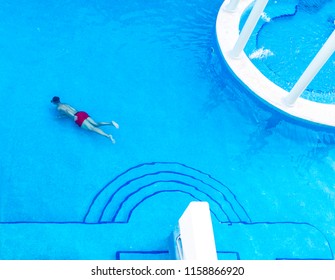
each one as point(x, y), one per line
point(232, 5)
point(248, 27)
point(311, 71)
point(228, 33)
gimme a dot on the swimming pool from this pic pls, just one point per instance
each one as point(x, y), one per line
point(188, 131)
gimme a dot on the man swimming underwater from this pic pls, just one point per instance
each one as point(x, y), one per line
point(82, 119)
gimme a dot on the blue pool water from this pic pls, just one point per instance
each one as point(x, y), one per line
point(188, 131)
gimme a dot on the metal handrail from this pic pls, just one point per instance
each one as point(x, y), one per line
point(179, 247)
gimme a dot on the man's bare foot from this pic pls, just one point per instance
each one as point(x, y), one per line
point(116, 125)
point(111, 138)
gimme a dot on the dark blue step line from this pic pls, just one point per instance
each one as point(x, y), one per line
point(212, 178)
point(113, 180)
point(302, 259)
point(158, 192)
point(119, 253)
point(228, 223)
point(166, 172)
point(47, 222)
point(271, 21)
point(290, 223)
point(161, 191)
point(237, 254)
point(162, 163)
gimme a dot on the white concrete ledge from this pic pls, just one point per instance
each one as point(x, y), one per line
point(196, 233)
point(227, 31)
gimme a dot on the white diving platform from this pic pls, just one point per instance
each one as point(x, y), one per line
point(195, 237)
point(227, 31)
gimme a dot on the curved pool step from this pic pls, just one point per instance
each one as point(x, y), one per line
point(120, 197)
point(133, 201)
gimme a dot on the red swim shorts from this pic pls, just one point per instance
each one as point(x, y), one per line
point(80, 117)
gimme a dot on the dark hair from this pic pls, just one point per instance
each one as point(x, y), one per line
point(55, 99)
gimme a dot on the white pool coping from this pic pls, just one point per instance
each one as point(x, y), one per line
point(227, 31)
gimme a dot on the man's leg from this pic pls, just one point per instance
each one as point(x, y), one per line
point(102, 123)
point(87, 125)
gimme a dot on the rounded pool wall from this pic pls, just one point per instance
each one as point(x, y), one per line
point(304, 111)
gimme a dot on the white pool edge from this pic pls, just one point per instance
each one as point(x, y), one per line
point(227, 32)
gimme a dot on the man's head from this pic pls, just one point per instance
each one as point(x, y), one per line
point(55, 100)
